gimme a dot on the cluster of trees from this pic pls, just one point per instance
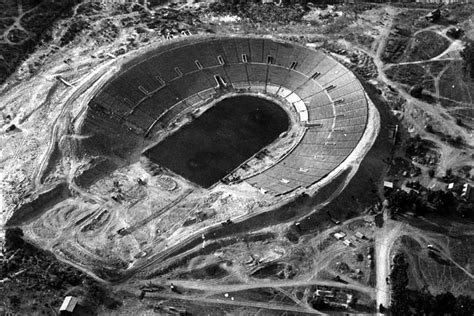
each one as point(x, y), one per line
point(36, 282)
point(417, 146)
point(399, 283)
point(440, 202)
point(407, 302)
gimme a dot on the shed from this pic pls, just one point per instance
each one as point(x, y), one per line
point(359, 235)
point(68, 305)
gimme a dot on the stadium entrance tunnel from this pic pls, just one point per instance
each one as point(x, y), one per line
point(222, 138)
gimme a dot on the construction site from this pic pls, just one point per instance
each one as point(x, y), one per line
point(214, 158)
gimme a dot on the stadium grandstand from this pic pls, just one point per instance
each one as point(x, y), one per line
point(152, 89)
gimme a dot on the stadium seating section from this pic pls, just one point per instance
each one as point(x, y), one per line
point(153, 88)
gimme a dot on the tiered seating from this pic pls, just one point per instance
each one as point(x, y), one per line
point(311, 63)
point(294, 80)
point(257, 73)
point(208, 57)
point(184, 59)
point(299, 55)
point(191, 84)
point(324, 68)
point(277, 75)
point(285, 53)
point(172, 112)
point(309, 88)
point(270, 48)
point(159, 103)
point(140, 119)
point(120, 85)
point(111, 103)
point(230, 52)
point(335, 73)
point(331, 102)
point(221, 72)
point(242, 47)
point(237, 73)
point(217, 50)
point(256, 50)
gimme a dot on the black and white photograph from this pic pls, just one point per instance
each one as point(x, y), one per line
point(237, 157)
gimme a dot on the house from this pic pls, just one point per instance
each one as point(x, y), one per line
point(68, 305)
point(388, 185)
point(466, 191)
point(334, 297)
point(359, 235)
point(339, 235)
point(347, 243)
point(451, 186)
point(324, 293)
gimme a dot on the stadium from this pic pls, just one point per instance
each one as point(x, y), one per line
point(300, 101)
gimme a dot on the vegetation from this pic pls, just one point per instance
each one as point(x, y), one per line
point(35, 282)
point(410, 75)
point(420, 201)
point(453, 84)
point(418, 147)
point(76, 27)
point(399, 283)
point(36, 22)
point(468, 57)
point(405, 24)
point(406, 302)
point(426, 45)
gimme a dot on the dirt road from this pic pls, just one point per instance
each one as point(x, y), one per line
point(212, 287)
point(384, 239)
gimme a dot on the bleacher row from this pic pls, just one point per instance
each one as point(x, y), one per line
point(157, 86)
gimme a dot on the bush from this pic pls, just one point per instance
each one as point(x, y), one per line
point(431, 173)
point(416, 91)
point(13, 239)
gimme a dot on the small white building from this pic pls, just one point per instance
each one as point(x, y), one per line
point(339, 235)
point(388, 185)
point(68, 305)
point(466, 191)
point(347, 243)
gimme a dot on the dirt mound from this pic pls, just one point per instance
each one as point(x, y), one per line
point(276, 270)
point(212, 271)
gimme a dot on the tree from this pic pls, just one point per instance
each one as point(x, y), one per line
point(468, 55)
point(416, 91)
point(318, 303)
point(13, 238)
point(444, 303)
point(464, 306)
point(431, 173)
point(399, 283)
